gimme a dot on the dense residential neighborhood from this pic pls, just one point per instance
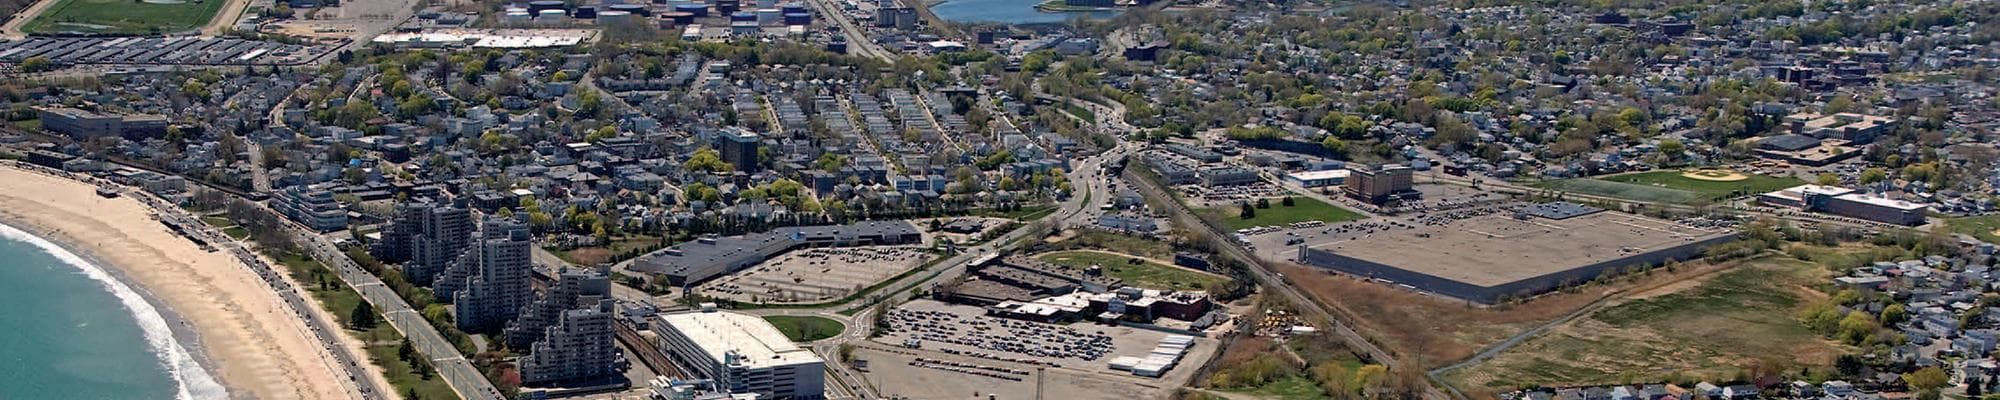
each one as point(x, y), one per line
point(897, 199)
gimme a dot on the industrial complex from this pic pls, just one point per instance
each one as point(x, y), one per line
point(1491, 258)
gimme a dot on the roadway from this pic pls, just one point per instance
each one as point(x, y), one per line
point(458, 372)
point(857, 37)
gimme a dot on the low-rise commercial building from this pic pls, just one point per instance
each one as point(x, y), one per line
point(1847, 203)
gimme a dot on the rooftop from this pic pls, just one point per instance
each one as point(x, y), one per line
point(1495, 249)
point(759, 344)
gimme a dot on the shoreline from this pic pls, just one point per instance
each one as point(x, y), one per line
point(217, 311)
point(180, 331)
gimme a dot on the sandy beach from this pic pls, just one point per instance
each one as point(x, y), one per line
point(245, 334)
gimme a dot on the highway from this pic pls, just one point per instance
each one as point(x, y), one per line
point(858, 42)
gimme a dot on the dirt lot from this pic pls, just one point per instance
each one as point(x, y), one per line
point(1699, 329)
point(1452, 329)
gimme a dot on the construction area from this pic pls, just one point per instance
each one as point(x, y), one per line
point(1494, 257)
point(815, 274)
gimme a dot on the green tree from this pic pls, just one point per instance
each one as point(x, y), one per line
point(36, 64)
point(1248, 211)
point(1828, 179)
point(707, 160)
point(1926, 379)
point(1872, 175)
point(362, 317)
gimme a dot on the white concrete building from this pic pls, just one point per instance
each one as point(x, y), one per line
point(742, 353)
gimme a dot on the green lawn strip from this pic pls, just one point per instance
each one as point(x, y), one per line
point(1303, 209)
point(806, 328)
point(382, 341)
point(124, 16)
point(1146, 274)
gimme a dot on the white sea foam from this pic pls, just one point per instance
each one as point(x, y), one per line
point(191, 381)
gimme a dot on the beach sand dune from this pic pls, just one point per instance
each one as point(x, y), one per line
point(259, 348)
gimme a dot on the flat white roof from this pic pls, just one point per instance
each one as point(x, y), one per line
point(1799, 192)
point(758, 343)
point(1881, 201)
point(1317, 175)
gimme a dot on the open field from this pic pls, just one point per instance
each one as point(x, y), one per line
point(1985, 227)
point(602, 254)
point(1672, 186)
point(124, 16)
point(1451, 329)
point(1304, 209)
point(1126, 244)
point(806, 328)
point(1705, 329)
point(1146, 273)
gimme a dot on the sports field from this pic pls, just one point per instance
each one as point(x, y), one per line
point(1673, 186)
point(125, 17)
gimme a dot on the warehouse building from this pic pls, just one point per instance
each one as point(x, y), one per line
point(741, 353)
point(1493, 258)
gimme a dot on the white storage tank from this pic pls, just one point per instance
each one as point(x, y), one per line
point(550, 17)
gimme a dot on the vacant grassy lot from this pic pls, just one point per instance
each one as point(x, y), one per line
point(1707, 328)
point(1127, 244)
point(1983, 227)
point(1303, 209)
point(1449, 329)
point(1295, 387)
point(1145, 273)
point(806, 328)
point(602, 254)
point(124, 17)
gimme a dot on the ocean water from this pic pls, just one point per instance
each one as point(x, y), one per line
point(75, 332)
point(1007, 12)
